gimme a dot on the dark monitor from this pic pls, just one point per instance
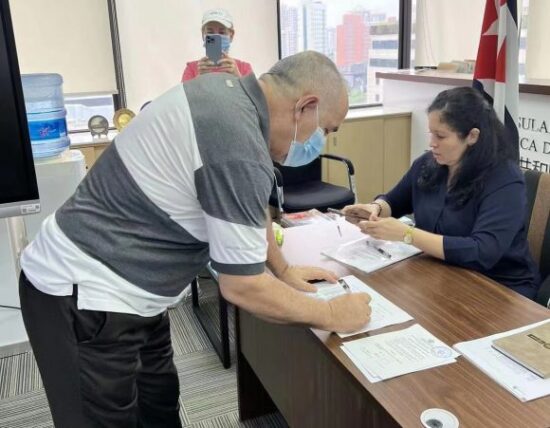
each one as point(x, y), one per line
point(18, 188)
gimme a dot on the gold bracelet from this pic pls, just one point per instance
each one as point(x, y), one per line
point(379, 207)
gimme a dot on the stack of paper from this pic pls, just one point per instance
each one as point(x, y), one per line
point(388, 355)
point(384, 312)
point(521, 382)
point(369, 254)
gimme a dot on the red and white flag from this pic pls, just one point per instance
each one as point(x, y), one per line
point(496, 70)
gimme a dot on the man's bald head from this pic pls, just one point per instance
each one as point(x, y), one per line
point(303, 92)
point(306, 73)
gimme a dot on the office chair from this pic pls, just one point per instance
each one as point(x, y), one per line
point(301, 188)
point(538, 223)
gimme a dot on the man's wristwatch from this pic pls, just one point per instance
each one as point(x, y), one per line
point(408, 236)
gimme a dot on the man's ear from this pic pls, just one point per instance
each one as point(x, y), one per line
point(472, 136)
point(305, 103)
point(231, 34)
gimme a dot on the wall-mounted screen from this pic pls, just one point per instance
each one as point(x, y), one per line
point(18, 188)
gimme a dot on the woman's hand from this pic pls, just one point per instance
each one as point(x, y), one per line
point(354, 213)
point(388, 229)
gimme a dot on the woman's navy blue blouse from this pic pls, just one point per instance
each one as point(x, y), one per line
point(487, 234)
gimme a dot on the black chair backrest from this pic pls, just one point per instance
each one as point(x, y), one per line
point(301, 174)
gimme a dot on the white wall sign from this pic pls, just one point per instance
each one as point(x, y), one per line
point(534, 132)
point(533, 123)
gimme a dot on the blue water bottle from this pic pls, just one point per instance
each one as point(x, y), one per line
point(46, 114)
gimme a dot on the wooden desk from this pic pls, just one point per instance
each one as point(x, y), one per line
point(304, 374)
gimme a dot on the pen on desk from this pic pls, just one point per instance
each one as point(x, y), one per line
point(344, 285)
point(339, 230)
point(384, 253)
point(380, 250)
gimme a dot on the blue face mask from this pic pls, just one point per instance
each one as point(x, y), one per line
point(226, 43)
point(303, 153)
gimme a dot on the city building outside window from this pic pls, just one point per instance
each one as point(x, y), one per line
point(360, 36)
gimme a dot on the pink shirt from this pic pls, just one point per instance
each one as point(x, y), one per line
point(192, 69)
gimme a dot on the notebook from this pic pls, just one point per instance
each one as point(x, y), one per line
point(530, 348)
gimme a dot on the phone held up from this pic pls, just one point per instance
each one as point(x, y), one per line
point(213, 44)
point(341, 213)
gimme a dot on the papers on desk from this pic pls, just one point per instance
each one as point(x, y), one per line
point(521, 382)
point(389, 355)
point(369, 254)
point(384, 312)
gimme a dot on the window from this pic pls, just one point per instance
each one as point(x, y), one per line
point(523, 14)
point(360, 36)
point(81, 108)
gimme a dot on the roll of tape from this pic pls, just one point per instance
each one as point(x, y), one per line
point(438, 418)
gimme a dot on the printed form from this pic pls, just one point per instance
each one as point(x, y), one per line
point(389, 355)
point(384, 312)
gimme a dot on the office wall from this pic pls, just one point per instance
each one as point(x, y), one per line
point(537, 62)
point(447, 30)
point(158, 38)
point(69, 37)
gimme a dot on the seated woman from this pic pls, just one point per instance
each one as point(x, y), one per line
point(467, 195)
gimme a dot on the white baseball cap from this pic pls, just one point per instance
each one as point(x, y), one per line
point(218, 15)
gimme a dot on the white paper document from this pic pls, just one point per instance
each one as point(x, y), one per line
point(521, 382)
point(384, 312)
point(369, 254)
point(388, 355)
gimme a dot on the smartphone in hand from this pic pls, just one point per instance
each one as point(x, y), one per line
point(213, 44)
point(353, 216)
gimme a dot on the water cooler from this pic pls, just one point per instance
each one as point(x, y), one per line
point(57, 180)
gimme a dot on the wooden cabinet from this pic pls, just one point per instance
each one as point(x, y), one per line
point(91, 152)
point(379, 148)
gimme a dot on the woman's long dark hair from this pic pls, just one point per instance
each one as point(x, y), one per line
point(463, 109)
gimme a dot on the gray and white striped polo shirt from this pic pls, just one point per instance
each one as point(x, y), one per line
point(186, 182)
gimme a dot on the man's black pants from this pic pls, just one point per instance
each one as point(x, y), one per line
point(101, 369)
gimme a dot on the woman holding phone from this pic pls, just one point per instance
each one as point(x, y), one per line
point(217, 22)
point(467, 195)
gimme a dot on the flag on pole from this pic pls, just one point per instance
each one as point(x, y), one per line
point(496, 69)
